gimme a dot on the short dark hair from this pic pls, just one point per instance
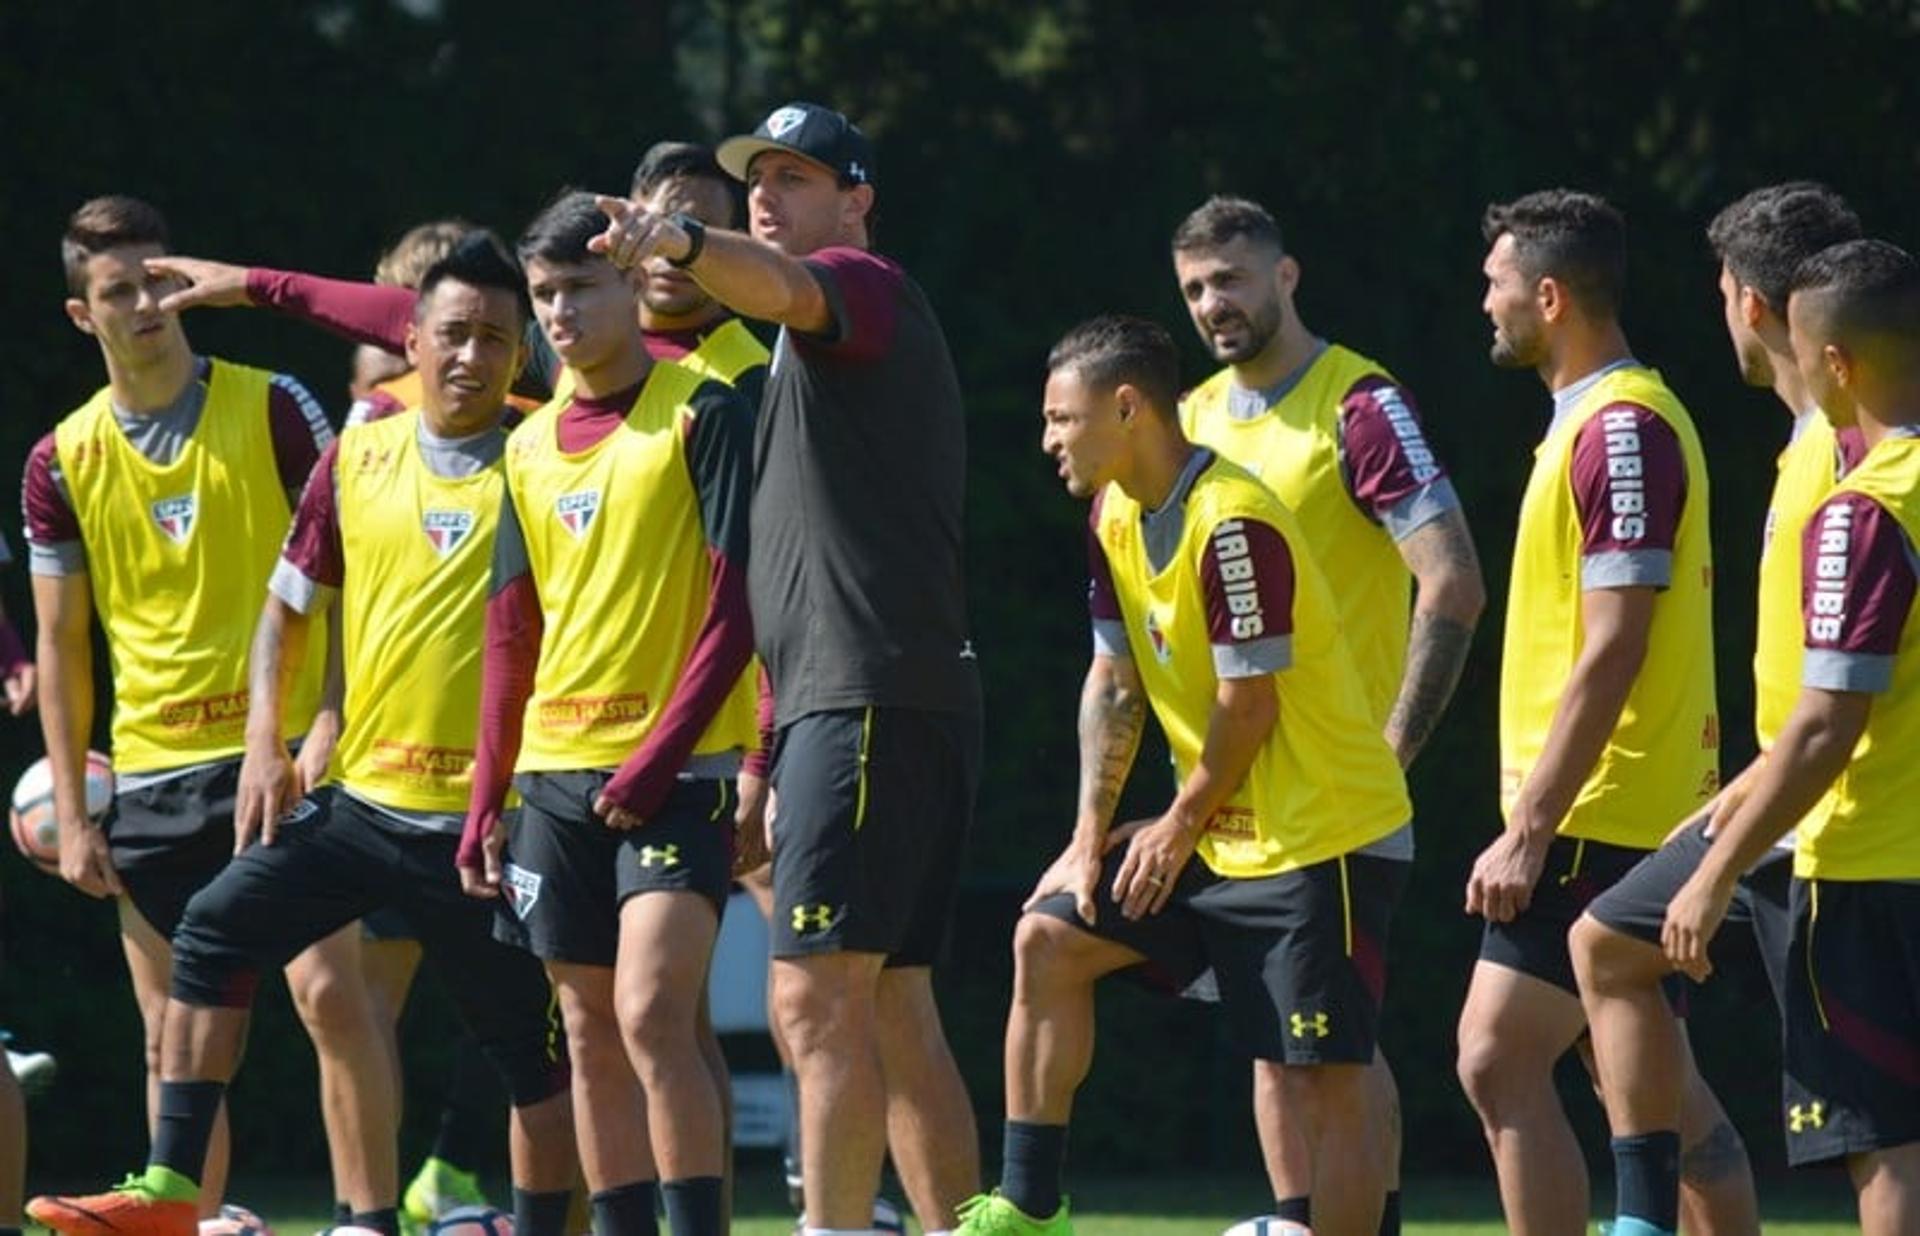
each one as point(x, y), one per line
point(1115, 348)
point(1871, 290)
point(1220, 219)
point(560, 232)
point(1765, 235)
point(665, 160)
point(104, 223)
point(480, 260)
point(1578, 239)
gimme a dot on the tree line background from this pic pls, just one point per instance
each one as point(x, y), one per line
point(1033, 159)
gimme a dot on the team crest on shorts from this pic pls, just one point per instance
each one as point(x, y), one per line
point(576, 510)
point(522, 888)
point(1162, 650)
point(176, 516)
point(446, 529)
point(785, 121)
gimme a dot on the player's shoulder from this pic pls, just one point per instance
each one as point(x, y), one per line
point(1209, 393)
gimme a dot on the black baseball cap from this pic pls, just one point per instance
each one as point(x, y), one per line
point(810, 131)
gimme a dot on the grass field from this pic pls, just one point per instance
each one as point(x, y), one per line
point(1186, 1206)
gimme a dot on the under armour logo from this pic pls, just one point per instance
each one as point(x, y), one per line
point(1811, 1116)
point(1302, 1025)
point(665, 855)
point(856, 173)
point(808, 919)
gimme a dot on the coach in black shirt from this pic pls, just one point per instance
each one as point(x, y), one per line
point(859, 611)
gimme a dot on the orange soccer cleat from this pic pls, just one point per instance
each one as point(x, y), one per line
point(135, 1208)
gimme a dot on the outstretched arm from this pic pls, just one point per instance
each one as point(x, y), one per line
point(748, 276)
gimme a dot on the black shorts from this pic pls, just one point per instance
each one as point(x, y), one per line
point(872, 811)
point(568, 874)
point(1636, 904)
point(169, 839)
point(387, 925)
point(1853, 1019)
point(1535, 942)
point(335, 859)
point(1298, 959)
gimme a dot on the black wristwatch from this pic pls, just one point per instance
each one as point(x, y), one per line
point(696, 239)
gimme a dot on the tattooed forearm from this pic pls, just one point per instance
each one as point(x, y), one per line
point(1451, 595)
point(1113, 711)
point(1436, 653)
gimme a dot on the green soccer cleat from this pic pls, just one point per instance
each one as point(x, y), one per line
point(990, 1214)
point(438, 1188)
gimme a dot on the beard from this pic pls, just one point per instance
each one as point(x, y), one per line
point(1516, 350)
point(1259, 332)
point(1756, 367)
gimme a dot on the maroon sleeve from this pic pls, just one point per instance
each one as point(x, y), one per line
point(49, 518)
point(1857, 578)
point(1247, 575)
point(1384, 446)
point(363, 312)
point(719, 464)
point(299, 427)
point(1102, 601)
point(758, 762)
point(863, 294)
point(1629, 481)
point(512, 654)
point(313, 543)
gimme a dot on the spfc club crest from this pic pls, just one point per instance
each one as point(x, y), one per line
point(447, 529)
point(785, 121)
point(176, 517)
point(1162, 651)
point(576, 510)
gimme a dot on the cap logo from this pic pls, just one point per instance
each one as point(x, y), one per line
point(784, 121)
point(856, 173)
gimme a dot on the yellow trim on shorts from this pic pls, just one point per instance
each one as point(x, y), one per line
point(719, 808)
point(1813, 983)
point(860, 794)
point(1579, 856)
point(1346, 904)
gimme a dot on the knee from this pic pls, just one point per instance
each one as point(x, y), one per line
point(1485, 1074)
point(657, 1024)
point(1048, 954)
point(334, 1006)
point(822, 1013)
point(593, 1038)
point(1601, 955)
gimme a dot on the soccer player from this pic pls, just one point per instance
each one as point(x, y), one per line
point(1842, 766)
point(1760, 240)
point(398, 524)
point(859, 613)
point(617, 643)
point(1608, 732)
point(160, 505)
point(1339, 441)
point(1206, 607)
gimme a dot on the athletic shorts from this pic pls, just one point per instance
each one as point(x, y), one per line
point(386, 925)
point(567, 874)
point(872, 811)
point(1852, 1080)
point(1299, 960)
point(1534, 943)
point(169, 839)
point(333, 860)
point(1636, 905)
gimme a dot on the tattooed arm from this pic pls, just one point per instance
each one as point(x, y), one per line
point(1113, 712)
point(1449, 596)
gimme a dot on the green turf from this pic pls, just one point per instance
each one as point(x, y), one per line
point(1183, 1205)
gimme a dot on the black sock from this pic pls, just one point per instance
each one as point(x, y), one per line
point(1646, 1168)
point(1390, 1214)
point(184, 1125)
point(540, 1214)
point(1031, 1161)
point(693, 1206)
point(1294, 1210)
point(342, 1213)
point(626, 1210)
point(470, 1119)
point(386, 1220)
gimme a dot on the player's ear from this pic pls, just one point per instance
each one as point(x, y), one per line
point(1753, 307)
point(1288, 271)
point(1839, 364)
point(413, 344)
point(1551, 298)
point(78, 314)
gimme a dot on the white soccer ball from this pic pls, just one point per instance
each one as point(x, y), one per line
point(1268, 1225)
point(36, 831)
point(472, 1221)
point(235, 1221)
